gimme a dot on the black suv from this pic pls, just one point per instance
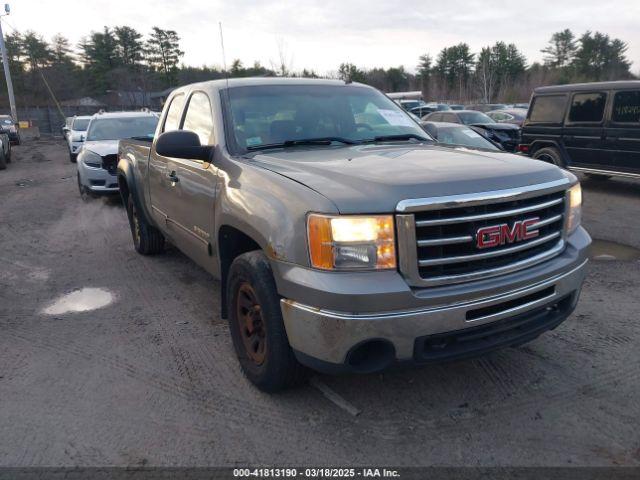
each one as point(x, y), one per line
point(588, 127)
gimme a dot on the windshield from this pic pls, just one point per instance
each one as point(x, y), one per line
point(274, 114)
point(469, 118)
point(80, 124)
point(6, 121)
point(118, 128)
point(463, 136)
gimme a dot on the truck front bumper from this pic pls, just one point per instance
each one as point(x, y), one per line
point(453, 322)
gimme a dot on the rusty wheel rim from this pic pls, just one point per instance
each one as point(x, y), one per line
point(251, 324)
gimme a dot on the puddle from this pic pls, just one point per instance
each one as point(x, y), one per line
point(606, 250)
point(80, 301)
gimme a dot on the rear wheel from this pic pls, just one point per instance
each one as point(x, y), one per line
point(8, 154)
point(550, 155)
point(256, 325)
point(3, 161)
point(147, 239)
point(73, 157)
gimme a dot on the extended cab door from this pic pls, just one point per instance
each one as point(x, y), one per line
point(190, 206)
point(584, 134)
point(162, 169)
point(623, 132)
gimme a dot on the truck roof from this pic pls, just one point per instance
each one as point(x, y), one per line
point(573, 87)
point(123, 114)
point(259, 81)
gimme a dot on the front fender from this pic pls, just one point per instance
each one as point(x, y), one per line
point(269, 208)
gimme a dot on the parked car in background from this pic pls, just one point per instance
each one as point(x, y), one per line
point(66, 127)
point(511, 115)
point(408, 105)
point(343, 239)
point(76, 134)
point(486, 107)
point(5, 150)
point(456, 106)
point(8, 126)
point(423, 110)
point(505, 134)
point(587, 127)
point(457, 135)
point(98, 158)
point(524, 106)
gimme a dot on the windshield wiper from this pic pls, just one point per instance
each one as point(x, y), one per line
point(304, 141)
point(396, 138)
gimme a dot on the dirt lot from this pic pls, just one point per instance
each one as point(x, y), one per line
point(151, 379)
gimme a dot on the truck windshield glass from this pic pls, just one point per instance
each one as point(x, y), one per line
point(119, 128)
point(275, 114)
point(80, 124)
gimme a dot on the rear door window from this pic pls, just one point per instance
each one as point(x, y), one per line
point(548, 109)
point(587, 107)
point(172, 121)
point(626, 107)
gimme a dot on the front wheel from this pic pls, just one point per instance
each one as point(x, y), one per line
point(85, 193)
point(73, 157)
point(256, 325)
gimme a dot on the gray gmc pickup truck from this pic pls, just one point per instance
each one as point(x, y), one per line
point(343, 237)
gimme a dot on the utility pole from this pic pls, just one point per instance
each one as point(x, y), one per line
point(7, 73)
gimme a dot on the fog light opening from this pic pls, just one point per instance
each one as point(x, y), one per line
point(371, 356)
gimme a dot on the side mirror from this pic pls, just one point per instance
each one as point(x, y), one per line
point(182, 144)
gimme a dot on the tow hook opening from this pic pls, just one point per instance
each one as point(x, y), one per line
point(371, 356)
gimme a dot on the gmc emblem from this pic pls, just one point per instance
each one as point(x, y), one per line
point(496, 235)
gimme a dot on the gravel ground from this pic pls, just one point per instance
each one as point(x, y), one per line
point(151, 378)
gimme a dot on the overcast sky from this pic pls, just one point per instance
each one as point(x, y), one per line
point(320, 34)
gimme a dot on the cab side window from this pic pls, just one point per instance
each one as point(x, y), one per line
point(198, 118)
point(626, 107)
point(172, 121)
point(588, 107)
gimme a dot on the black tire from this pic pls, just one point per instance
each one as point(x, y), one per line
point(147, 239)
point(8, 154)
point(265, 356)
point(550, 155)
point(3, 161)
point(73, 158)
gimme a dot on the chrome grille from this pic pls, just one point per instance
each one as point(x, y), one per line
point(440, 246)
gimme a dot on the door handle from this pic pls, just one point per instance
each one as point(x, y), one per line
point(173, 177)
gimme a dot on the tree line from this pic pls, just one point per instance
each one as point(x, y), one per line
point(121, 58)
point(501, 73)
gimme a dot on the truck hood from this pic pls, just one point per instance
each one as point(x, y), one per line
point(102, 147)
point(373, 179)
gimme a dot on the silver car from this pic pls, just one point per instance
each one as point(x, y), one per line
point(75, 135)
point(98, 157)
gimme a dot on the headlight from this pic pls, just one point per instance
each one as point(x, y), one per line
point(575, 208)
point(351, 242)
point(92, 159)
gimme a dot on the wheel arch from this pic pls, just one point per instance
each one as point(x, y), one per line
point(232, 242)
